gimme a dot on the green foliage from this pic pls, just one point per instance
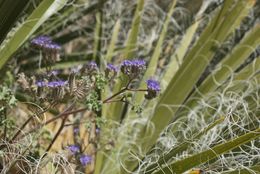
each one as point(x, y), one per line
point(92, 101)
point(7, 99)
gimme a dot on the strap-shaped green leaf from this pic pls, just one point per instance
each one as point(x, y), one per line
point(179, 149)
point(128, 53)
point(230, 63)
point(152, 66)
point(38, 16)
point(200, 158)
point(192, 68)
point(249, 170)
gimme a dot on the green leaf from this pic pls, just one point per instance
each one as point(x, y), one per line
point(180, 148)
point(151, 68)
point(33, 22)
point(192, 68)
point(202, 157)
point(177, 57)
point(9, 12)
point(249, 170)
point(128, 53)
point(113, 41)
point(231, 62)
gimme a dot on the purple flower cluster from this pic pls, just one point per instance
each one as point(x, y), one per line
point(111, 71)
point(85, 159)
point(59, 83)
point(111, 67)
point(90, 67)
point(153, 89)
point(45, 42)
point(133, 68)
point(74, 149)
point(51, 84)
point(41, 83)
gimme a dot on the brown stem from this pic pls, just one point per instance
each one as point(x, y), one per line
point(26, 122)
point(64, 113)
point(56, 136)
point(116, 94)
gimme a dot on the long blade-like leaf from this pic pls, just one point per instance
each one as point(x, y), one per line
point(200, 158)
point(38, 16)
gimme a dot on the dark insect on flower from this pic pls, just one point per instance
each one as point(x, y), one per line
point(74, 149)
point(133, 68)
point(85, 159)
point(59, 83)
point(153, 89)
point(111, 71)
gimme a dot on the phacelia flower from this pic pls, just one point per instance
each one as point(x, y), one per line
point(74, 149)
point(133, 68)
point(59, 83)
point(111, 70)
point(89, 67)
point(153, 89)
point(76, 130)
point(85, 159)
point(40, 83)
point(45, 42)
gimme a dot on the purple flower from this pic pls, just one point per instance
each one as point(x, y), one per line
point(111, 70)
point(112, 67)
point(45, 42)
point(41, 83)
point(41, 41)
point(74, 148)
point(153, 89)
point(58, 83)
point(85, 159)
point(90, 67)
point(133, 68)
point(153, 85)
point(97, 130)
point(76, 130)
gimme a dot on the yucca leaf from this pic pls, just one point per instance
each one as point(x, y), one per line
point(190, 71)
point(249, 70)
point(229, 64)
point(202, 157)
point(128, 53)
point(97, 36)
point(180, 148)
point(177, 57)
point(111, 48)
point(9, 11)
point(38, 16)
point(152, 66)
point(192, 67)
point(249, 170)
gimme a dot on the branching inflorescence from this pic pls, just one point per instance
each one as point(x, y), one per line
point(81, 92)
